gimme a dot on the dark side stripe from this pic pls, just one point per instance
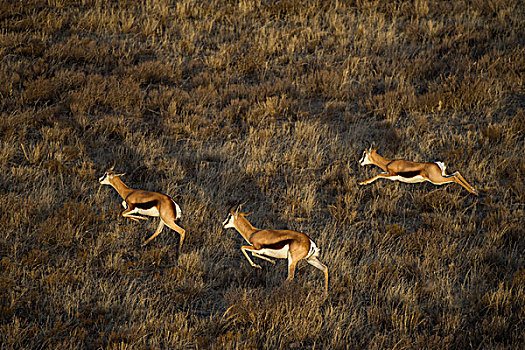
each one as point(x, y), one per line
point(278, 245)
point(146, 205)
point(409, 174)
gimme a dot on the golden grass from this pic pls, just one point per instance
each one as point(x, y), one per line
point(272, 102)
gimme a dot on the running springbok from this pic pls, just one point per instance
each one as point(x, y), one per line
point(280, 244)
point(146, 203)
point(411, 172)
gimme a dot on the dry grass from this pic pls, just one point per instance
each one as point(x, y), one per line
point(270, 102)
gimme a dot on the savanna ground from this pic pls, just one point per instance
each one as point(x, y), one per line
point(270, 102)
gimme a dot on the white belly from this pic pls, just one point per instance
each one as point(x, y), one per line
point(275, 253)
point(410, 180)
point(149, 212)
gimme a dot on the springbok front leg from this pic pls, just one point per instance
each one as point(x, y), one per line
point(257, 255)
point(245, 248)
point(377, 177)
point(128, 214)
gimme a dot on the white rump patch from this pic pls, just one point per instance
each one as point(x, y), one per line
point(441, 166)
point(314, 251)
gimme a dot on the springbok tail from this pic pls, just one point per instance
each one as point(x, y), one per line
point(177, 208)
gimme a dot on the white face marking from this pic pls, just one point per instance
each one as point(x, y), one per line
point(365, 159)
point(104, 179)
point(125, 205)
point(362, 157)
point(228, 223)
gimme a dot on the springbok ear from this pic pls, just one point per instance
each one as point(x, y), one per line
point(247, 214)
point(118, 175)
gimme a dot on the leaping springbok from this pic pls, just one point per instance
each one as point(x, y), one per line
point(146, 203)
point(411, 172)
point(281, 244)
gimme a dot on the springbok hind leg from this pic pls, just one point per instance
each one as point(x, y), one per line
point(439, 179)
point(179, 230)
point(317, 264)
point(291, 267)
point(464, 183)
point(157, 232)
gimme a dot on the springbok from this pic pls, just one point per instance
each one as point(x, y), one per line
point(146, 203)
point(281, 244)
point(411, 172)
